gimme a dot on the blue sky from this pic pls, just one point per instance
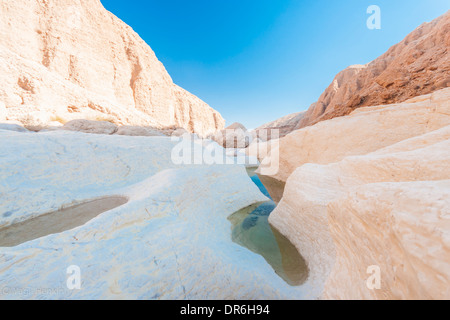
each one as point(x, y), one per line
point(257, 60)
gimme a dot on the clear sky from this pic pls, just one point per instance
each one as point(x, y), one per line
point(257, 60)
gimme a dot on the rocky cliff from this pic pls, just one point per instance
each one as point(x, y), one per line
point(418, 65)
point(70, 59)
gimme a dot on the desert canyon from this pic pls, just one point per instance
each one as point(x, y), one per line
point(91, 129)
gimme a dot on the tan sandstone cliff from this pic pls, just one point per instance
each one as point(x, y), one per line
point(72, 59)
point(418, 65)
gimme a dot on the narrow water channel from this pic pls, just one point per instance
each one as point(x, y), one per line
point(251, 229)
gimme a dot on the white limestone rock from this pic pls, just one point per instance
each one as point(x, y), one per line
point(12, 127)
point(171, 240)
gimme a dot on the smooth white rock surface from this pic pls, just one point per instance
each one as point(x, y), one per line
point(172, 240)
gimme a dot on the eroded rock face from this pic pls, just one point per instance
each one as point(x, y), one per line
point(388, 209)
point(404, 230)
point(73, 59)
point(416, 66)
point(364, 131)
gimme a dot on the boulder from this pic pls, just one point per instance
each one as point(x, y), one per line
point(52, 126)
point(189, 136)
point(179, 132)
point(89, 126)
point(138, 131)
point(236, 126)
point(233, 138)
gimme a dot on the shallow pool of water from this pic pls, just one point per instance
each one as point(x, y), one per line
point(251, 229)
point(57, 221)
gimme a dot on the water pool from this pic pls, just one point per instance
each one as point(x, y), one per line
point(251, 229)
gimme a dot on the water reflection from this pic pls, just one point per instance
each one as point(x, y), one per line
point(251, 229)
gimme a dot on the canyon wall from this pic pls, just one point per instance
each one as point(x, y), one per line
point(418, 65)
point(72, 59)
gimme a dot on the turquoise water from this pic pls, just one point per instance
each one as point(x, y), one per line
point(251, 229)
point(257, 181)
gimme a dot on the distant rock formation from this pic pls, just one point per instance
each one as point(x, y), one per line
point(236, 126)
point(284, 125)
point(416, 66)
point(234, 136)
point(70, 59)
